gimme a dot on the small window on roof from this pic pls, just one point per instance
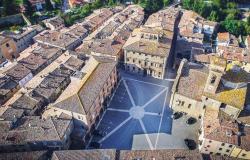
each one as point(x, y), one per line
point(212, 81)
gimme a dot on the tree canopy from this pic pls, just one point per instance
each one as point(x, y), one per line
point(9, 7)
point(223, 11)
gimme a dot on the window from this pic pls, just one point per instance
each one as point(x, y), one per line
point(212, 81)
point(243, 155)
point(210, 141)
point(227, 150)
point(7, 45)
point(182, 103)
point(230, 146)
point(223, 105)
point(189, 105)
point(220, 149)
point(218, 154)
point(204, 107)
point(223, 144)
point(211, 153)
point(208, 146)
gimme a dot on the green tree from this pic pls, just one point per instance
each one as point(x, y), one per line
point(9, 7)
point(235, 27)
point(151, 6)
point(111, 2)
point(198, 6)
point(166, 2)
point(220, 3)
point(97, 4)
point(58, 2)
point(85, 10)
point(248, 20)
point(231, 5)
point(188, 4)
point(48, 5)
point(135, 1)
point(28, 8)
point(213, 16)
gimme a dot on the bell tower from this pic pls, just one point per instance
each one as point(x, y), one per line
point(216, 70)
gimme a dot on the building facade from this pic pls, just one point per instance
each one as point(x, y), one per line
point(8, 48)
point(147, 52)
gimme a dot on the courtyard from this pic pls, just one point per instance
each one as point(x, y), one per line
point(137, 107)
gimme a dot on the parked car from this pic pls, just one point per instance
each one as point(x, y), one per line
point(191, 120)
point(177, 115)
point(191, 144)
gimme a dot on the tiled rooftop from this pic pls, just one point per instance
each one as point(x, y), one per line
point(81, 93)
point(170, 154)
point(92, 88)
point(35, 155)
point(11, 114)
point(138, 43)
point(35, 129)
point(193, 78)
point(74, 63)
point(56, 38)
point(105, 47)
point(25, 102)
point(164, 19)
point(97, 154)
point(223, 37)
point(6, 85)
point(78, 31)
point(33, 62)
point(234, 53)
point(55, 21)
point(46, 52)
point(218, 61)
point(220, 127)
point(233, 97)
point(17, 36)
point(18, 72)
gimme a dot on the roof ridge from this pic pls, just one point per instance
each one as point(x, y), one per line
point(55, 127)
